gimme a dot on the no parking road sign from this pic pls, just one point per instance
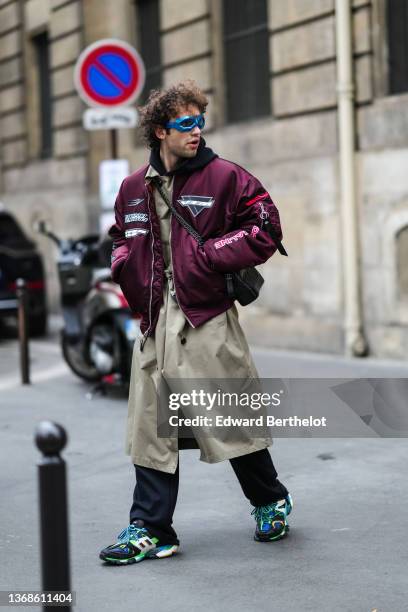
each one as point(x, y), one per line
point(109, 73)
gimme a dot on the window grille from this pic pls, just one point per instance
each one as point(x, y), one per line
point(246, 53)
point(397, 27)
point(41, 45)
point(149, 44)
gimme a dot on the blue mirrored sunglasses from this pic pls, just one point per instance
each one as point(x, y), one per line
point(187, 123)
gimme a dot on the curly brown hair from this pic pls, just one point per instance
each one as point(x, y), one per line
point(163, 104)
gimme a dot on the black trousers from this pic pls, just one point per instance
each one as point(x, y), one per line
point(155, 493)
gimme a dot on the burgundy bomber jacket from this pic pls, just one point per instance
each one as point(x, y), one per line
point(224, 203)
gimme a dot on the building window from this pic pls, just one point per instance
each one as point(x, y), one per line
point(397, 27)
point(41, 46)
point(246, 53)
point(149, 43)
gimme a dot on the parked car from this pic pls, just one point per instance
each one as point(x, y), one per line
point(19, 258)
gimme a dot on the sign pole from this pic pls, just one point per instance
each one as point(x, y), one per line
point(114, 144)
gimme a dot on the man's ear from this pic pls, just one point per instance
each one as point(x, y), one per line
point(160, 132)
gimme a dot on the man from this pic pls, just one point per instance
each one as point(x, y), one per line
point(189, 326)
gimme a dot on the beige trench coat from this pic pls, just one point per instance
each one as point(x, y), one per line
point(216, 349)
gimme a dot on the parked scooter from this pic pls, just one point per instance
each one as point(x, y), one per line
point(99, 328)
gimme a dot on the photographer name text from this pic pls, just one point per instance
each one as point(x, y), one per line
point(260, 421)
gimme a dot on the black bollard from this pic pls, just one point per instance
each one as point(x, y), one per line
point(23, 331)
point(51, 438)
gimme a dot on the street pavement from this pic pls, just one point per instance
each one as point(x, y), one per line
point(347, 548)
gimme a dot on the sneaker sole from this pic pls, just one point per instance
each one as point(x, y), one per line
point(161, 554)
point(273, 538)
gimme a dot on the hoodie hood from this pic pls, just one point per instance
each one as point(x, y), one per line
point(203, 157)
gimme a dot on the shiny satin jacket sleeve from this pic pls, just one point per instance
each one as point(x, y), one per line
point(248, 244)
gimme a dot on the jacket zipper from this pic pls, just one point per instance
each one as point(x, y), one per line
point(146, 334)
point(174, 280)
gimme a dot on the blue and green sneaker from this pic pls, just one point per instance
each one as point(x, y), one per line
point(135, 544)
point(271, 523)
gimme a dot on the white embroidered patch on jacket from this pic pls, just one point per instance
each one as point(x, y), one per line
point(135, 232)
point(196, 204)
point(136, 217)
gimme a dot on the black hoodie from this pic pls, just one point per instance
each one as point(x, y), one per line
point(186, 166)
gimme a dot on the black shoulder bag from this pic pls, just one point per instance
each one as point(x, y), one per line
point(244, 285)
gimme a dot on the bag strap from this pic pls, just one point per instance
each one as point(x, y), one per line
point(230, 284)
point(156, 180)
point(271, 230)
point(158, 183)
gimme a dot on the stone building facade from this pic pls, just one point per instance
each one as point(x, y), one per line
point(269, 69)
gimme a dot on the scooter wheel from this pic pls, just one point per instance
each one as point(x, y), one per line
point(73, 355)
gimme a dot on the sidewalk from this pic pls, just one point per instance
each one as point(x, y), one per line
point(346, 550)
